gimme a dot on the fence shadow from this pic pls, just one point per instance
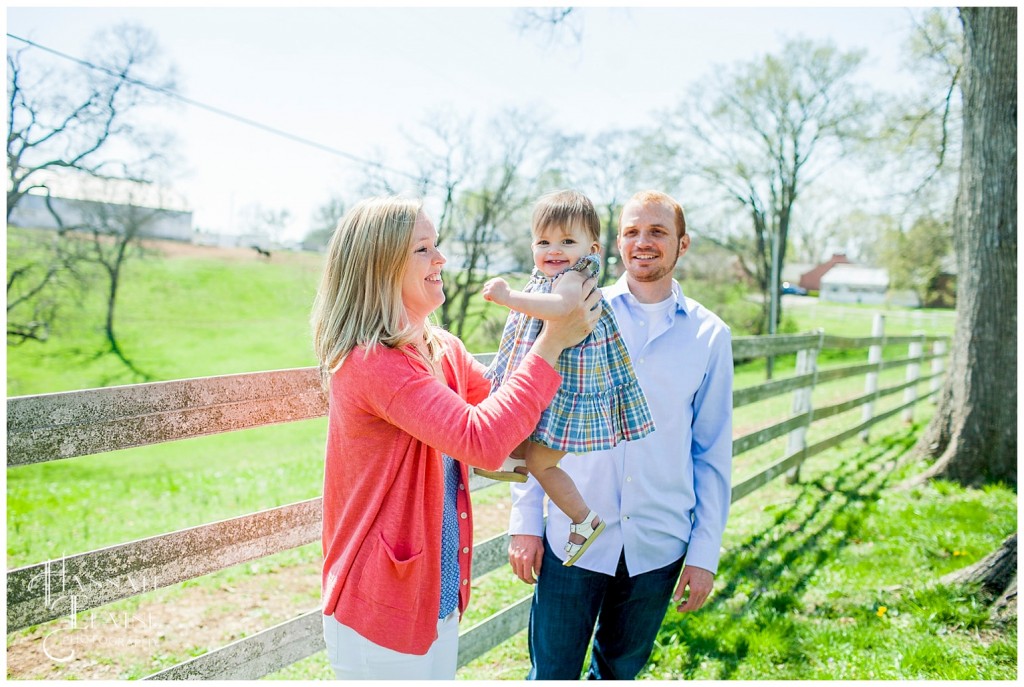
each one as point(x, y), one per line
point(782, 559)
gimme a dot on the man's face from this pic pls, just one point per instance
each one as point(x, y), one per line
point(648, 241)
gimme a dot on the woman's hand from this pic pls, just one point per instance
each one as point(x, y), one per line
point(568, 331)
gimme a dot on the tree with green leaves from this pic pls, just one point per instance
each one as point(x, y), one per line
point(920, 136)
point(761, 132)
point(915, 258)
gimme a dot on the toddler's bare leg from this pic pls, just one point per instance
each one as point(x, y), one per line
point(542, 462)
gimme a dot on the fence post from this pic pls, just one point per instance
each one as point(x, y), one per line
point(806, 363)
point(938, 365)
point(871, 378)
point(913, 372)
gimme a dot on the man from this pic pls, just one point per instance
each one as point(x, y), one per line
point(665, 498)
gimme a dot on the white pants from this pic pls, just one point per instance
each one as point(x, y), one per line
point(355, 657)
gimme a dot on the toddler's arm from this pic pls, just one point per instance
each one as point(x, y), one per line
point(544, 306)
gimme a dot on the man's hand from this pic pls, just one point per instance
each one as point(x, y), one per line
point(700, 582)
point(496, 290)
point(525, 555)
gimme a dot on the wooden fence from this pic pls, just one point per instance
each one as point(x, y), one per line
point(78, 423)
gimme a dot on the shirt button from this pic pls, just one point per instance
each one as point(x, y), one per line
point(641, 323)
point(625, 517)
point(465, 549)
point(462, 487)
point(642, 359)
point(463, 515)
point(629, 479)
point(465, 582)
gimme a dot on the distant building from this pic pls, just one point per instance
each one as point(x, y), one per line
point(846, 283)
point(811, 279)
point(31, 212)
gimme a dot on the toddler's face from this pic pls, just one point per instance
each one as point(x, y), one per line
point(558, 247)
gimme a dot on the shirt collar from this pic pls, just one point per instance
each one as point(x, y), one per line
point(620, 289)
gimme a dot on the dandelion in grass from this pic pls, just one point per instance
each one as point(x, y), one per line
point(882, 611)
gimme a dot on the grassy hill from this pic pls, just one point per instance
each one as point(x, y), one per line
point(182, 311)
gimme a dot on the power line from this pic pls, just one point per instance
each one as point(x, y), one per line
point(224, 113)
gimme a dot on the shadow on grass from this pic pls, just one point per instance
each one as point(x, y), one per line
point(140, 374)
point(137, 375)
point(776, 565)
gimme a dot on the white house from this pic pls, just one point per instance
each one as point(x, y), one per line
point(846, 283)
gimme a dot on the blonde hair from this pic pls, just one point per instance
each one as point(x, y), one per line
point(359, 301)
point(564, 209)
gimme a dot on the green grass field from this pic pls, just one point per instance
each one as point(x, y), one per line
point(179, 318)
point(205, 315)
point(834, 577)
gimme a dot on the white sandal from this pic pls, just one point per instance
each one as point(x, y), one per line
point(585, 530)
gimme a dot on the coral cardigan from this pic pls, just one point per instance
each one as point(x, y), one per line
point(389, 421)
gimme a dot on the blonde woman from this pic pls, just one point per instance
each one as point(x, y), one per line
point(408, 412)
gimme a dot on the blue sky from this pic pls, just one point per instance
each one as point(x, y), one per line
point(354, 79)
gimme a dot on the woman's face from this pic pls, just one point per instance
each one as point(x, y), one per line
point(422, 291)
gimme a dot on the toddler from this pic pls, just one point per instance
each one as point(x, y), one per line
point(600, 402)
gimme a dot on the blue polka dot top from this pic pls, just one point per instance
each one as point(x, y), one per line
point(449, 539)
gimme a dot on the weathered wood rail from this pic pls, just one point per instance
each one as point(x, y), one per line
point(78, 423)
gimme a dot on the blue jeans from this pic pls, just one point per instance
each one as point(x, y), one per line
point(567, 602)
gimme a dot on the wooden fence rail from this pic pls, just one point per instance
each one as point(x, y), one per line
point(65, 425)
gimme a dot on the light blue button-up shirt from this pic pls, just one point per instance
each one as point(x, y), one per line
point(667, 494)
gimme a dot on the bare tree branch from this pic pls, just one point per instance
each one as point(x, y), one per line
point(551, 22)
point(82, 123)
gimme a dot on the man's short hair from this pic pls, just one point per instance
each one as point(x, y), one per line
point(649, 196)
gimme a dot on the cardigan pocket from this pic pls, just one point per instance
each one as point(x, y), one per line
point(402, 561)
point(392, 576)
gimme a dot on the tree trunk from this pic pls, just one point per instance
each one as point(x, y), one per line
point(611, 233)
point(996, 571)
point(974, 430)
point(1004, 609)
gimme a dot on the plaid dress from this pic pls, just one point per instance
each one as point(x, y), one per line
point(600, 402)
